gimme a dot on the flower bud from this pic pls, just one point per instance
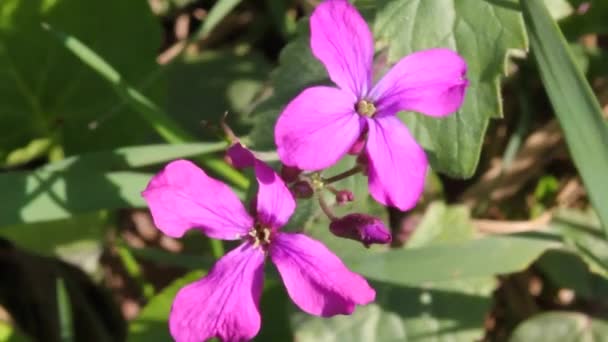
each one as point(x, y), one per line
point(302, 189)
point(360, 227)
point(290, 173)
point(343, 196)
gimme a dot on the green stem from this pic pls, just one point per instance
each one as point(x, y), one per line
point(342, 175)
point(217, 248)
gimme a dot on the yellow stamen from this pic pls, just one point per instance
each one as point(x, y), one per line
point(366, 108)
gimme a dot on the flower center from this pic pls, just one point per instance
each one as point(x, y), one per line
point(366, 108)
point(260, 235)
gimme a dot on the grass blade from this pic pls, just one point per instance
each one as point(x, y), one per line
point(150, 112)
point(64, 308)
point(575, 106)
point(218, 12)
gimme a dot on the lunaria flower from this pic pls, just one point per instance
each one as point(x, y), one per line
point(225, 303)
point(323, 123)
point(360, 227)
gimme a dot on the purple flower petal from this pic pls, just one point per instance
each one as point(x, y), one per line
point(431, 82)
point(317, 128)
point(342, 41)
point(240, 156)
point(316, 279)
point(182, 196)
point(223, 304)
point(275, 203)
point(397, 164)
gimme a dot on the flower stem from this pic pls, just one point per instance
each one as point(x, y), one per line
point(326, 209)
point(217, 248)
point(343, 175)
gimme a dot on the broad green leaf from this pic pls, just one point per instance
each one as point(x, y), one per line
point(41, 196)
point(47, 93)
point(206, 86)
point(435, 312)
point(471, 259)
point(152, 323)
point(481, 31)
point(442, 224)
point(88, 182)
point(574, 103)
point(561, 326)
point(131, 157)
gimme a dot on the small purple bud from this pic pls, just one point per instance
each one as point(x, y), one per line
point(344, 196)
point(302, 189)
point(360, 227)
point(290, 173)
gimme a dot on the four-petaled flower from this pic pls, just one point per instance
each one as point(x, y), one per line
point(322, 123)
point(225, 303)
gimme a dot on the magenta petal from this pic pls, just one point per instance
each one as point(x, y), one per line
point(317, 128)
point(431, 82)
point(182, 196)
point(240, 156)
point(397, 164)
point(223, 304)
point(275, 203)
point(316, 279)
point(342, 41)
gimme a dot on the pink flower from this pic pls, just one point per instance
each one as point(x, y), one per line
point(225, 303)
point(323, 123)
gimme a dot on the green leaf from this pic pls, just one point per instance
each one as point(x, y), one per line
point(125, 158)
point(561, 326)
point(49, 94)
point(574, 103)
point(481, 31)
point(501, 255)
point(41, 195)
point(206, 86)
point(442, 224)
point(151, 324)
point(88, 182)
point(434, 312)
